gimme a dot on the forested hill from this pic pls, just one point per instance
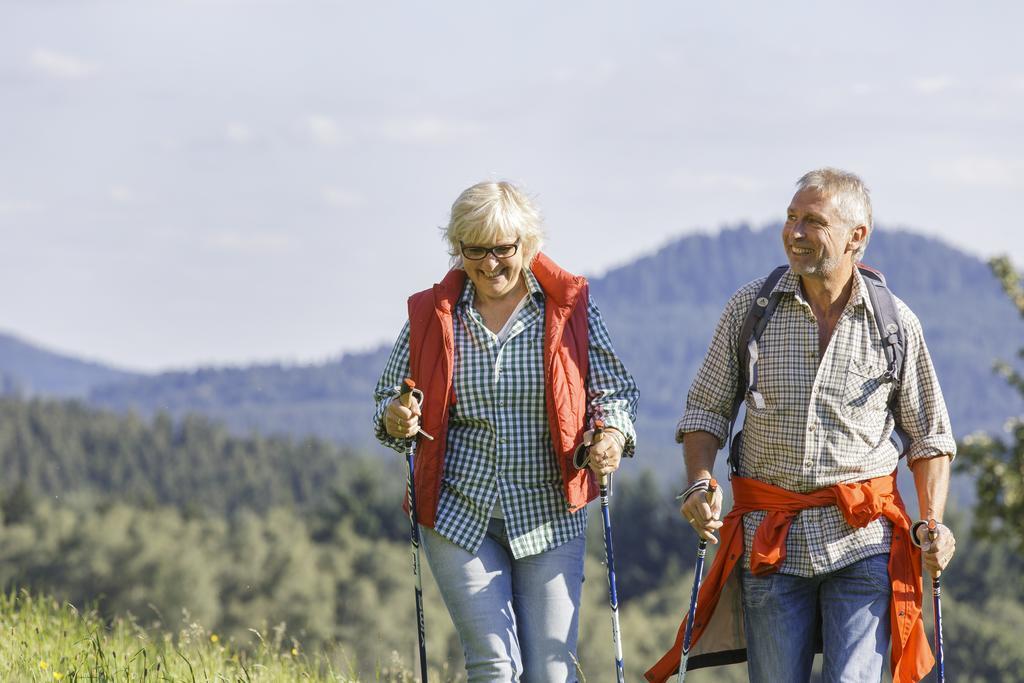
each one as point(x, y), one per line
point(65, 450)
point(332, 400)
point(661, 310)
point(29, 370)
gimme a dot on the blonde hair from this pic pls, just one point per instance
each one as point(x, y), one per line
point(850, 195)
point(489, 211)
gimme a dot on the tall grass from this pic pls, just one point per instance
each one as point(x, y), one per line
point(43, 640)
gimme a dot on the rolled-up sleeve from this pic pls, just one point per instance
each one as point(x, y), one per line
point(920, 410)
point(611, 390)
point(395, 370)
point(709, 401)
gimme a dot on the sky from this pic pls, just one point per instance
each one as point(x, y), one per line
point(188, 182)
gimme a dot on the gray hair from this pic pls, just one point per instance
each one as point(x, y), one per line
point(850, 195)
point(489, 211)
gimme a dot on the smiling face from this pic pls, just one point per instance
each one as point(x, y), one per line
point(818, 242)
point(496, 278)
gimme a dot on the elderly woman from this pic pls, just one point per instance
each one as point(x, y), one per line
point(515, 363)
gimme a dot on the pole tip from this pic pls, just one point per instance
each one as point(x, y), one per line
point(713, 485)
point(408, 385)
point(598, 425)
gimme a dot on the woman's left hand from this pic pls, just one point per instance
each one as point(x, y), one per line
point(606, 450)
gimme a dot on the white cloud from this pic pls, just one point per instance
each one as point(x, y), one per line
point(690, 181)
point(247, 243)
point(428, 130)
point(862, 89)
point(324, 131)
point(1013, 83)
point(932, 85)
point(238, 133)
point(121, 194)
point(8, 206)
point(59, 65)
point(596, 73)
point(982, 172)
point(341, 198)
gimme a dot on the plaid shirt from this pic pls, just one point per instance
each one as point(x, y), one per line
point(824, 422)
point(499, 442)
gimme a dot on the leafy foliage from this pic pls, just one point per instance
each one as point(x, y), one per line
point(326, 565)
point(998, 462)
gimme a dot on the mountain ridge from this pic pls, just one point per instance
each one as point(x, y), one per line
point(29, 368)
point(660, 309)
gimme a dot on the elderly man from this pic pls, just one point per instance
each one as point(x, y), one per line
point(826, 556)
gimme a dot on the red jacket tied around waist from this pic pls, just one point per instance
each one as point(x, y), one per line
point(861, 503)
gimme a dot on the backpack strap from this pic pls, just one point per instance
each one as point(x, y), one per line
point(894, 340)
point(760, 313)
point(888, 323)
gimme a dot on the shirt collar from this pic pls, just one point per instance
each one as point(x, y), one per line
point(789, 283)
point(532, 288)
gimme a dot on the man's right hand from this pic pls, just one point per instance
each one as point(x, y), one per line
point(704, 518)
point(699, 450)
point(401, 422)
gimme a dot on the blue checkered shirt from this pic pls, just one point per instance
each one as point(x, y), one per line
point(499, 442)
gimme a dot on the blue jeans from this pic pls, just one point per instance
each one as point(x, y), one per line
point(517, 619)
point(781, 618)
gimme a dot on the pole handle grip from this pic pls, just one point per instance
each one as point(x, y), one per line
point(598, 430)
point(709, 495)
point(406, 394)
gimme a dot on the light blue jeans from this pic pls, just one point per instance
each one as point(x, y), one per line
point(781, 621)
point(518, 619)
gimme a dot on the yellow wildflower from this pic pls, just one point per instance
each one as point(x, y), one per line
point(295, 652)
point(43, 666)
point(214, 638)
point(57, 676)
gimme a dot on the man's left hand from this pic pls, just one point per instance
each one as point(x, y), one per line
point(939, 552)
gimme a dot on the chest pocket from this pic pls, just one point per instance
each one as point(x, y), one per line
point(867, 392)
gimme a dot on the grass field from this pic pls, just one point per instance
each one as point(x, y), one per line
point(43, 640)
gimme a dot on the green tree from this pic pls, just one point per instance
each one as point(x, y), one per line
point(998, 462)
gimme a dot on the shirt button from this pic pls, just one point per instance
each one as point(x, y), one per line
point(807, 463)
point(503, 440)
point(811, 428)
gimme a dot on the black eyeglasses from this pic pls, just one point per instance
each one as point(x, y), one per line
point(480, 253)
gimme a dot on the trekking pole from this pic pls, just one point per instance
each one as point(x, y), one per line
point(698, 571)
point(408, 393)
point(613, 593)
point(606, 520)
point(933, 533)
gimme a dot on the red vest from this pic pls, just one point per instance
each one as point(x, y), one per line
point(431, 354)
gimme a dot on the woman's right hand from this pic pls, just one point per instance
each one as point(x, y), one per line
point(401, 422)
